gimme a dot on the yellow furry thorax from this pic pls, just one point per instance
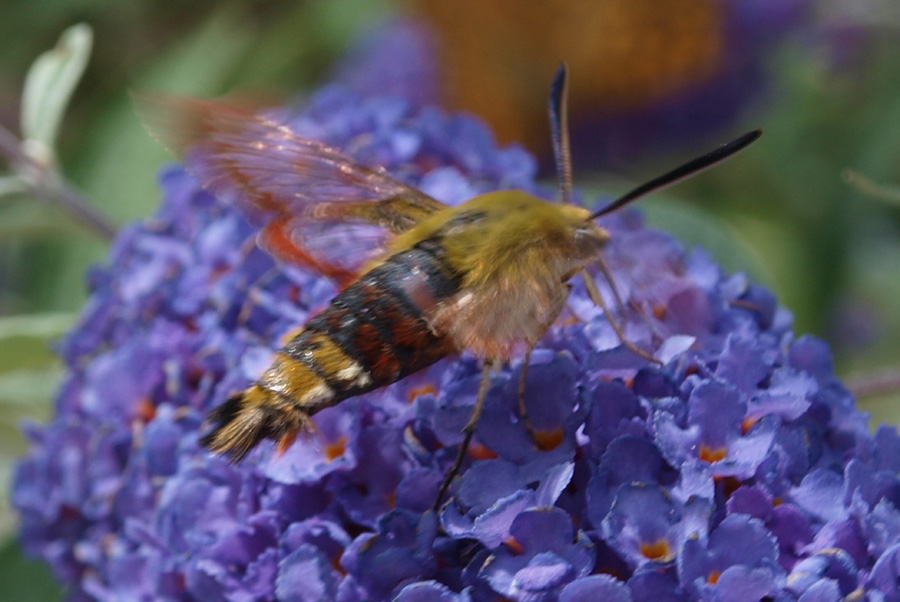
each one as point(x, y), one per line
point(513, 228)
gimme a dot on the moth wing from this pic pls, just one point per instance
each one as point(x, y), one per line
point(335, 249)
point(503, 307)
point(303, 193)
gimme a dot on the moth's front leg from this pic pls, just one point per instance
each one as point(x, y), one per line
point(559, 304)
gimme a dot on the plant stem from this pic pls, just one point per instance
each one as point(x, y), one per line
point(48, 185)
point(875, 384)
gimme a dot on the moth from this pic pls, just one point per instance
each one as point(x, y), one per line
point(489, 276)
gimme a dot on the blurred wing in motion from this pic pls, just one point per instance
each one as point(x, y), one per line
point(317, 206)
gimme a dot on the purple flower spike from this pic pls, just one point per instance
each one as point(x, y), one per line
point(739, 469)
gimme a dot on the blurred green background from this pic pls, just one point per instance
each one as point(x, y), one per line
point(826, 90)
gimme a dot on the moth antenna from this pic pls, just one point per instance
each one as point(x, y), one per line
point(559, 130)
point(682, 172)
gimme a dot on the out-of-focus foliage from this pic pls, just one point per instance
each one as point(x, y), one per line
point(828, 99)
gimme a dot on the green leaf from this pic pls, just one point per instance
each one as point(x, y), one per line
point(29, 374)
point(305, 40)
point(25, 219)
point(25, 580)
point(40, 325)
point(25, 340)
point(49, 86)
point(12, 185)
point(30, 388)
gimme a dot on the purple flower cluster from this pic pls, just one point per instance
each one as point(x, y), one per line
point(740, 469)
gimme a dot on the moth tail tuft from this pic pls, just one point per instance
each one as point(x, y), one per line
point(247, 418)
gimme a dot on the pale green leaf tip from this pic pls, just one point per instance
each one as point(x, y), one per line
point(79, 36)
point(49, 85)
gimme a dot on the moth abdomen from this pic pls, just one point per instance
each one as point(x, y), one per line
point(373, 333)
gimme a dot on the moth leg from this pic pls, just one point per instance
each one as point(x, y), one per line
point(597, 298)
point(592, 287)
point(523, 375)
point(607, 273)
point(523, 409)
point(252, 294)
point(468, 430)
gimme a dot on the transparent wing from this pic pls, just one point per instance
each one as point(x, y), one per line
point(296, 189)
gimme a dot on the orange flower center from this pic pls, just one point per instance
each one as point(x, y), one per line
point(479, 451)
point(423, 390)
point(547, 440)
point(747, 424)
point(711, 455)
point(513, 544)
point(333, 450)
point(657, 550)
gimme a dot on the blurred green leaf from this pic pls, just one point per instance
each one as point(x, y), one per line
point(25, 580)
point(40, 325)
point(25, 340)
point(694, 227)
point(823, 121)
point(29, 388)
point(780, 248)
point(12, 185)
point(307, 38)
point(25, 218)
point(50, 83)
point(883, 409)
point(29, 374)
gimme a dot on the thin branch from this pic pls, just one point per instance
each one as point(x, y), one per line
point(47, 185)
point(875, 384)
point(870, 188)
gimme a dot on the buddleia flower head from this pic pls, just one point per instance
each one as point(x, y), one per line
point(739, 468)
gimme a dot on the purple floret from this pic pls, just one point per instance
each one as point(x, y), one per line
point(739, 469)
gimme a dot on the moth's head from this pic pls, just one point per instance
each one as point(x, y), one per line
point(587, 238)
